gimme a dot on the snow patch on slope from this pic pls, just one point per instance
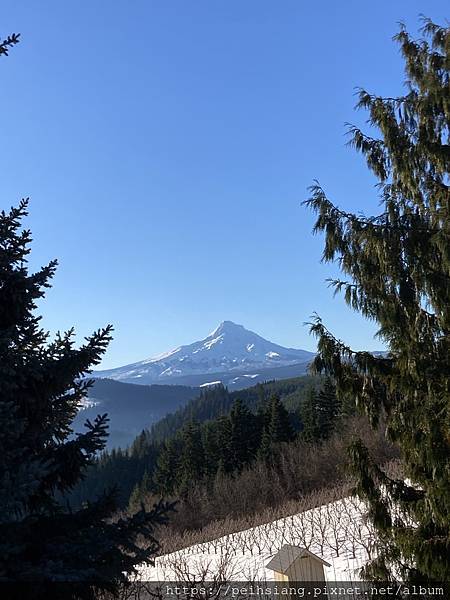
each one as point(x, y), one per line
point(208, 383)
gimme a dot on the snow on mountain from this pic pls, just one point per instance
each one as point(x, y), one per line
point(229, 348)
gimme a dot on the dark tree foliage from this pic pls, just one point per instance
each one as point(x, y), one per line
point(216, 443)
point(41, 388)
point(320, 412)
point(328, 409)
point(397, 265)
point(140, 491)
point(244, 435)
point(192, 458)
point(308, 417)
point(279, 426)
point(216, 401)
point(227, 444)
point(121, 468)
point(165, 476)
point(8, 43)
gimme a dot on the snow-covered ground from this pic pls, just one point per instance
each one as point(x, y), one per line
point(338, 532)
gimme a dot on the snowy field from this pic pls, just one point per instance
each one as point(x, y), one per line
point(338, 532)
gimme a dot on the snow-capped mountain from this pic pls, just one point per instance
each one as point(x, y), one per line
point(229, 350)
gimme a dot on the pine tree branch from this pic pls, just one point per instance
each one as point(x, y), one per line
point(8, 43)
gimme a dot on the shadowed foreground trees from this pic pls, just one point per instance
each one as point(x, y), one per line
point(398, 269)
point(41, 388)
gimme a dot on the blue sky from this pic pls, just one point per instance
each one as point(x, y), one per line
point(167, 146)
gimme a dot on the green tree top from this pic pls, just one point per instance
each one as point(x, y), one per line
point(398, 275)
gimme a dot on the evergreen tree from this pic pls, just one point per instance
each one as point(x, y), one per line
point(309, 417)
point(319, 412)
point(266, 447)
point(140, 493)
point(192, 459)
point(165, 477)
point(279, 427)
point(244, 435)
point(329, 409)
point(398, 275)
point(136, 499)
point(275, 423)
point(41, 387)
point(261, 395)
point(139, 447)
point(216, 444)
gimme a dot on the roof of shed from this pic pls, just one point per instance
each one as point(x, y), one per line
point(287, 555)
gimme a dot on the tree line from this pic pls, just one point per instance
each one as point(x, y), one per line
point(250, 424)
point(217, 400)
point(233, 441)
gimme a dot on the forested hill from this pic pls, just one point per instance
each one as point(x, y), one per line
point(131, 407)
point(125, 469)
point(217, 401)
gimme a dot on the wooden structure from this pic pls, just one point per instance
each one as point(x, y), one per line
point(292, 563)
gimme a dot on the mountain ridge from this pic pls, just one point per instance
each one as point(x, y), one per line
point(131, 407)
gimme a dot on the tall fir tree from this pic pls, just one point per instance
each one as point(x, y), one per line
point(192, 459)
point(165, 477)
point(280, 428)
point(216, 444)
point(266, 447)
point(139, 493)
point(319, 412)
point(308, 417)
point(277, 427)
point(42, 385)
point(244, 435)
point(398, 269)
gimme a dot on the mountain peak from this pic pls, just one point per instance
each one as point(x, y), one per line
point(227, 327)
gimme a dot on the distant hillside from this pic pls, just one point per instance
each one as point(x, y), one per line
point(131, 408)
point(215, 401)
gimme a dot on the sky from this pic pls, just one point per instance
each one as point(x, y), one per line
point(167, 146)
